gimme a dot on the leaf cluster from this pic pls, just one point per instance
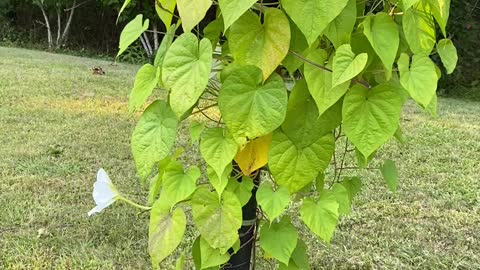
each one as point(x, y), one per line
point(283, 85)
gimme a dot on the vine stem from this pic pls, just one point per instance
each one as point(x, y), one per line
point(343, 160)
point(377, 4)
point(248, 241)
point(299, 56)
point(356, 168)
point(134, 204)
point(337, 136)
point(209, 118)
point(204, 108)
point(247, 232)
point(335, 169)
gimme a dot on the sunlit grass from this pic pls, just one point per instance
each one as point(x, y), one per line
point(59, 124)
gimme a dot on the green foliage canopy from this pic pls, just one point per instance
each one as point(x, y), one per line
point(353, 68)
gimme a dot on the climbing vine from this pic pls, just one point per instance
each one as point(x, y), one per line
point(276, 96)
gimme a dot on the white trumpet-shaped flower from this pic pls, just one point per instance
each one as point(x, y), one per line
point(104, 192)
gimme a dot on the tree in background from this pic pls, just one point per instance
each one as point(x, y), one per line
point(464, 30)
point(150, 39)
point(61, 8)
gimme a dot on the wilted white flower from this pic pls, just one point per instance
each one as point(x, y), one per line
point(104, 192)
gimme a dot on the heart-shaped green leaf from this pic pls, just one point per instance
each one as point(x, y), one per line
point(196, 129)
point(419, 77)
point(153, 137)
point(390, 174)
point(145, 81)
point(264, 46)
point(211, 257)
point(180, 263)
point(164, 46)
point(371, 116)
point(363, 161)
point(273, 203)
point(320, 82)
point(294, 166)
point(124, 6)
point(242, 189)
point(320, 182)
point(197, 256)
point(186, 70)
point(441, 12)
point(346, 65)
point(353, 186)
point(156, 182)
point(408, 3)
point(321, 217)
point(343, 199)
point(250, 109)
point(196, 253)
point(299, 260)
point(382, 33)
point(313, 16)
point(298, 44)
point(165, 10)
point(302, 124)
point(233, 9)
point(218, 148)
point(304, 145)
point(132, 31)
point(219, 183)
point(448, 54)
point(340, 30)
point(217, 221)
point(213, 31)
point(419, 29)
point(192, 12)
point(279, 239)
point(165, 231)
point(177, 184)
point(432, 107)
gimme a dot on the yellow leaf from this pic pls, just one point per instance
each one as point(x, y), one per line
point(254, 155)
point(267, 256)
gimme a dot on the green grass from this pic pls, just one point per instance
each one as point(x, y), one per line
point(59, 124)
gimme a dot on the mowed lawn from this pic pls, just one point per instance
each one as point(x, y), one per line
point(59, 124)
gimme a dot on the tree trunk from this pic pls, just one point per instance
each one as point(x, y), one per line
point(155, 37)
point(66, 30)
point(242, 260)
point(144, 44)
point(147, 43)
point(59, 26)
point(47, 25)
